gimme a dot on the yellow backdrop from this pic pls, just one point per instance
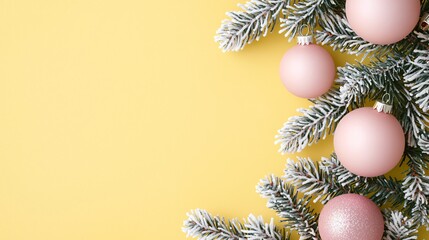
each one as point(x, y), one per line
point(118, 117)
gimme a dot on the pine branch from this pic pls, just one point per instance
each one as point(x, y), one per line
point(256, 20)
point(384, 190)
point(316, 123)
point(337, 33)
point(424, 142)
point(416, 185)
point(422, 36)
point(416, 78)
point(399, 226)
point(202, 225)
point(314, 179)
point(327, 179)
point(295, 211)
point(256, 229)
point(306, 12)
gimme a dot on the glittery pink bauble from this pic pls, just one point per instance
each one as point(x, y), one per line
point(369, 143)
point(307, 71)
point(351, 217)
point(383, 21)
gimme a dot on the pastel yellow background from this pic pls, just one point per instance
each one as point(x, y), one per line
point(118, 117)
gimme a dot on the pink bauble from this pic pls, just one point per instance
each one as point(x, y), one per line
point(351, 217)
point(383, 21)
point(307, 71)
point(369, 143)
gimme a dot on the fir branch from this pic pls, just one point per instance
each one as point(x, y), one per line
point(416, 185)
point(337, 33)
point(295, 211)
point(398, 226)
point(361, 81)
point(383, 190)
point(301, 13)
point(424, 142)
point(202, 225)
point(256, 229)
point(316, 123)
point(306, 12)
point(315, 179)
point(423, 36)
point(328, 178)
point(416, 78)
point(257, 18)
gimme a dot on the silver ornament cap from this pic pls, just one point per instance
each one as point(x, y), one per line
point(305, 39)
point(424, 22)
point(383, 105)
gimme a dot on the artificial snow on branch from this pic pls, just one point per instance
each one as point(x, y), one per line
point(336, 32)
point(316, 123)
point(416, 185)
point(202, 225)
point(416, 78)
point(294, 211)
point(399, 226)
point(306, 12)
point(312, 179)
point(327, 179)
point(256, 20)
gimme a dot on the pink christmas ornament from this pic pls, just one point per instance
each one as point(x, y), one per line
point(383, 21)
point(307, 70)
point(351, 217)
point(369, 143)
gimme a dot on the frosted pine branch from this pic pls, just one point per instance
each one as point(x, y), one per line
point(256, 20)
point(202, 225)
point(416, 79)
point(360, 81)
point(399, 226)
point(312, 179)
point(256, 229)
point(316, 123)
point(306, 12)
point(302, 12)
point(416, 185)
point(327, 179)
point(336, 32)
point(423, 37)
point(424, 142)
point(294, 211)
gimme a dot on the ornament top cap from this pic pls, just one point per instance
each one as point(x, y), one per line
point(305, 39)
point(383, 105)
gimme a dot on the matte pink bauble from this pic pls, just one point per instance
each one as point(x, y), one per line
point(369, 143)
point(307, 71)
point(351, 217)
point(383, 21)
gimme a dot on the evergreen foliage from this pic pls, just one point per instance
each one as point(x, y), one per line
point(399, 70)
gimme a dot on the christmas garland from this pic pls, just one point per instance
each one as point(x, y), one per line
point(368, 142)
